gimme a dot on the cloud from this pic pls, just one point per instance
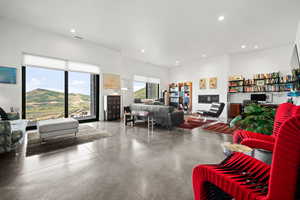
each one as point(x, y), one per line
point(77, 83)
point(33, 83)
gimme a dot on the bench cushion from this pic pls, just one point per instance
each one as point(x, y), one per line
point(57, 124)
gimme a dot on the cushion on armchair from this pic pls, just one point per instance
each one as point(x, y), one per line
point(3, 114)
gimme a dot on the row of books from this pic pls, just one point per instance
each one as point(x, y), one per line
point(266, 76)
point(269, 88)
point(286, 79)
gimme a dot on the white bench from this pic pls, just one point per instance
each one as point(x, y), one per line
point(57, 127)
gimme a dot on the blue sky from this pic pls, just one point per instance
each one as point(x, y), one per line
point(54, 80)
point(138, 85)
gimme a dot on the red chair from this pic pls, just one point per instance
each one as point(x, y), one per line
point(261, 141)
point(244, 178)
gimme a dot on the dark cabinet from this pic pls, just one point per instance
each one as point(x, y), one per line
point(112, 107)
point(235, 109)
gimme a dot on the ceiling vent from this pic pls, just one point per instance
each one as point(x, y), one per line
point(77, 37)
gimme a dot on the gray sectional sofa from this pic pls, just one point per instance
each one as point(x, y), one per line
point(165, 116)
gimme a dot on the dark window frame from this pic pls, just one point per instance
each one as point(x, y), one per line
point(147, 88)
point(96, 97)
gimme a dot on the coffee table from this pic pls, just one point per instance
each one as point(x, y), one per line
point(259, 154)
point(229, 148)
point(144, 115)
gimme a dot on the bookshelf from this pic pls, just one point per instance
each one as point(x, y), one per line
point(177, 92)
point(270, 82)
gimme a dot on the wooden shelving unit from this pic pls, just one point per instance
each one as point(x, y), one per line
point(271, 82)
point(177, 92)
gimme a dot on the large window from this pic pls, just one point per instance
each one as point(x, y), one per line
point(44, 94)
point(152, 91)
point(81, 93)
point(56, 92)
point(139, 90)
point(145, 88)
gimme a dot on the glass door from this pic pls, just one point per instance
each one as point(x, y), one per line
point(81, 95)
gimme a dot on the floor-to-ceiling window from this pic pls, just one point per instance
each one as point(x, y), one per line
point(44, 94)
point(81, 95)
point(65, 90)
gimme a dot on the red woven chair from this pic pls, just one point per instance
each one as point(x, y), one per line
point(261, 141)
point(244, 178)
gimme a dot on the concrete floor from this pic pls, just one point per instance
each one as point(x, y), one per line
point(130, 165)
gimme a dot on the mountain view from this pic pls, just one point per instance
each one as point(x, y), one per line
point(44, 104)
point(140, 94)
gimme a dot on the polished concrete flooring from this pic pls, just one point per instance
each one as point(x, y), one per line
point(130, 165)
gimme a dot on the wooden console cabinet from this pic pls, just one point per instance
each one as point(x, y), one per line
point(112, 107)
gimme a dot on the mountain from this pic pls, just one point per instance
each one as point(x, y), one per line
point(46, 104)
point(140, 94)
point(44, 96)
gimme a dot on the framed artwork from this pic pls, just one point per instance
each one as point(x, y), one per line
point(8, 75)
point(260, 82)
point(202, 83)
point(111, 81)
point(213, 82)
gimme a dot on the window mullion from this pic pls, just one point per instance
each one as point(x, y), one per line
point(66, 94)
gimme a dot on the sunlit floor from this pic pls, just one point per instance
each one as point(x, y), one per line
point(130, 165)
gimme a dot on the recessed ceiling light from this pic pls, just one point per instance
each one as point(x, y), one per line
point(177, 62)
point(72, 30)
point(243, 46)
point(143, 50)
point(255, 46)
point(221, 18)
point(203, 55)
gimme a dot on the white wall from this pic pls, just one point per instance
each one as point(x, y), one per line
point(261, 61)
point(246, 64)
point(16, 39)
point(298, 36)
point(204, 68)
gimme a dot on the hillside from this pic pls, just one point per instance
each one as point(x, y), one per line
point(47, 104)
point(140, 94)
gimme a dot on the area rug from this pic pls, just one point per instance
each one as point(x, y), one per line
point(220, 128)
point(87, 133)
point(191, 123)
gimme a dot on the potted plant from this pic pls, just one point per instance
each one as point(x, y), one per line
point(256, 118)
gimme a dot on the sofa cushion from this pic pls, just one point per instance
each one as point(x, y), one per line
point(163, 115)
point(57, 124)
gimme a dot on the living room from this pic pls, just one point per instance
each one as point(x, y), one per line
point(123, 100)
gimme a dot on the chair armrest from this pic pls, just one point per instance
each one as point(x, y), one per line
point(240, 135)
point(13, 116)
point(258, 144)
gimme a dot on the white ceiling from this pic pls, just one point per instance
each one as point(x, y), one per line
point(168, 30)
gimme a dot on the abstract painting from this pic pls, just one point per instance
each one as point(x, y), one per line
point(213, 82)
point(202, 83)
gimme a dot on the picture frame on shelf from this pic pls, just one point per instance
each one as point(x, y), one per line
point(260, 82)
point(236, 78)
